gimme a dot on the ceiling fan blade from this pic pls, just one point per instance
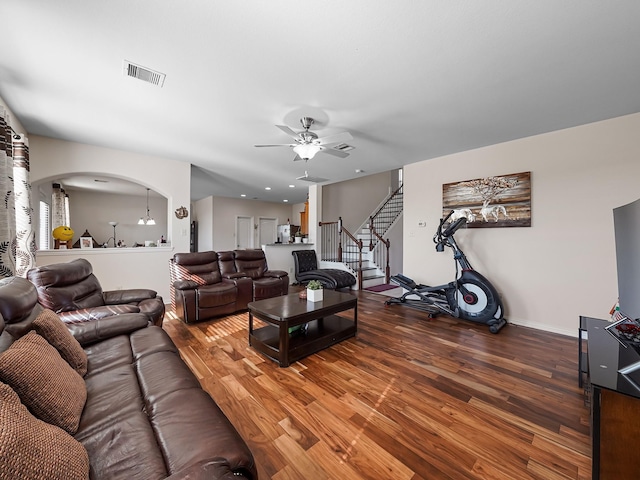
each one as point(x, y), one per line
point(288, 131)
point(277, 145)
point(335, 153)
point(337, 138)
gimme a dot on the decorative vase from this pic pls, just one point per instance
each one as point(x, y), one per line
point(314, 295)
point(305, 240)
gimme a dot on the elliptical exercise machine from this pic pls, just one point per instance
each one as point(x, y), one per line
point(470, 296)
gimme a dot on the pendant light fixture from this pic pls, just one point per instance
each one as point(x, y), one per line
point(149, 220)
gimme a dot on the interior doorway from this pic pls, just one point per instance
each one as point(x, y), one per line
point(244, 232)
point(267, 230)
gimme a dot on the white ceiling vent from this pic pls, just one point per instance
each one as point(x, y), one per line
point(307, 178)
point(143, 73)
point(343, 147)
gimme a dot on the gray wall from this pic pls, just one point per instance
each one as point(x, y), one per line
point(354, 200)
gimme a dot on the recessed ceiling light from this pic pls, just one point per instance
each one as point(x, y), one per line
point(267, 188)
point(285, 200)
point(358, 170)
point(292, 186)
point(243, 195)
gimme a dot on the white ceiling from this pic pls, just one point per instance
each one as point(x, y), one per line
point(409, 79)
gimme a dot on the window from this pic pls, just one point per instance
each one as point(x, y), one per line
point(67, 215)
point(45, 226)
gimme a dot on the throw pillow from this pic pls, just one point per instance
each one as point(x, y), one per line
point(49, 326)
point(33, 449)
point(46, 384)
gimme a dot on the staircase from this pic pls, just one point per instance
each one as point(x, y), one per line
point(369, 247)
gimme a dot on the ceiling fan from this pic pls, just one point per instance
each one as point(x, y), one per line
point(307, 143)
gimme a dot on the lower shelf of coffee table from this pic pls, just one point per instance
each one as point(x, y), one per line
point(320, 334)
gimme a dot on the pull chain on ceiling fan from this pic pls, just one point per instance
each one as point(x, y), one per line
point(308, 144)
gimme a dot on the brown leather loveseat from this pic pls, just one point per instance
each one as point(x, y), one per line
point(205, 285)
point(73, 292)
point(113, 401)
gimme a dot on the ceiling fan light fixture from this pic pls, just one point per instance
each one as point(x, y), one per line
point(306, 151)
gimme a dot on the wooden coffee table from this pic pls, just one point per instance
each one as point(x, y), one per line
point(324, 329)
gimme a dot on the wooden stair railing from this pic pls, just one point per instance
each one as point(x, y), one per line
point(334, 236)
point(378, 253)
point(385, 215)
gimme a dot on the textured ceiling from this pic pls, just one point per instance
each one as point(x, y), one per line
point(410, 80)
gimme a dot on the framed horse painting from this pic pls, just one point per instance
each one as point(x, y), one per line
point(503, 201)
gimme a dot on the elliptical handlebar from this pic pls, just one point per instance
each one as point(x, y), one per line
point(453, 227)
point(440, 238)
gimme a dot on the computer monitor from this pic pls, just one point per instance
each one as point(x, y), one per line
point(626, 221)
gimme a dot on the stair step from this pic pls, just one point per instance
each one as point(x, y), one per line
point(370, 282)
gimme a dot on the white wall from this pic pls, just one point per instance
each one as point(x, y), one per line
point(562, 266)
point(226, 210)
point(52, 159)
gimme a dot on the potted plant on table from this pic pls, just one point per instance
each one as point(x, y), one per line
point(298, 237)
point(314, 291)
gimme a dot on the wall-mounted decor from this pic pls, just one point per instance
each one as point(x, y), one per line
point(503, 201)
point(182, 212)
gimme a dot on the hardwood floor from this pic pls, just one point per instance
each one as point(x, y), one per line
point(407, 398)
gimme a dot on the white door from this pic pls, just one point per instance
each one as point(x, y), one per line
point(244, 232)
point(267, 230)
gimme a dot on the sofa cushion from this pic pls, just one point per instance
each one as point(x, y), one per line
point(49, 326)
point(267, 287)
point(125, 449)
point(31, 448)
point(202, 425)
point(108, 353)
point(251, 262)
point(46, 384)
point(216, 295)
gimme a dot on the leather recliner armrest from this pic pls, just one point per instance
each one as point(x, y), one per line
point(235, 275)
point(185, 285)
point(133, 295)
point(275, 273)
point(108, 327)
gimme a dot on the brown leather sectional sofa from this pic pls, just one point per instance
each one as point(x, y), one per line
point(145, 415)
point(205, 285)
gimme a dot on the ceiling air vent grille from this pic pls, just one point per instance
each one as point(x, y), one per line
point(343, 147)
point(307, 178)
point(143, 73)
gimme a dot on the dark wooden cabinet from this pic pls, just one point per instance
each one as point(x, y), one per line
point(614, 398)
point(193, 238)
point(304, 219)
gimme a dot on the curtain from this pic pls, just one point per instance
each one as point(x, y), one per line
point(25, 233)
point(17, 236)
point(7, 204)
point(58, 207)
